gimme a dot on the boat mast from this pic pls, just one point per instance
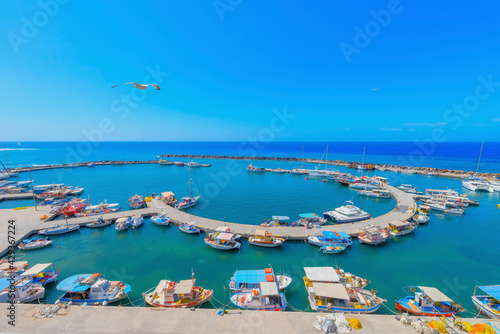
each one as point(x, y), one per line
point(363, 165)
point(190, 182)
point(478, 159)
point(6, 160)
point(326, 159)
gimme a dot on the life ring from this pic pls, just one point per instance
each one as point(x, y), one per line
point(412, 289)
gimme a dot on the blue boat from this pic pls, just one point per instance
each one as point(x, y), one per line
point(161, 220)
point(488, 302)
point(92, 289)
point(331, 238)
point(189, 228)
point(245, 280)
point(42, 273)
point(427, 302)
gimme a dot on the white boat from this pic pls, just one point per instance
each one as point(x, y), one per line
point(298, 171)
point(222, 241)
point(92, 289)
point(407, 188)
point(179, 163)
point(263, 238)
point(489, 301)
point(189, 228)
point(100, 209)
point(246, 280)
point(331, 249)
point(445, 207)
point(184, 294)
point(435, 192)
point(477, 184)
point(348, 213)
point(330, 238)
point(373, 235)
point(278, 170)
point(251, 168)
point(495, 185)
point(22, 290)
point(401, 227)
point(60, 229)
point(34, 243)
point(363, 185)
point(137, 202)
point(123, 223)
point(193, 164)
point(99, 223)
point(137, 221)
point(165, 162)
point(161, 219)
point(42, 273)
point(376, 193)
point(187, 202)
point(266, 297)
point(310, 220)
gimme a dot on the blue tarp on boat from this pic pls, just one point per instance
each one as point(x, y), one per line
point(308, 215)
point(4, 283)
point(335, 235)
point(251, 276)
point(492, 290)
point(72, 284)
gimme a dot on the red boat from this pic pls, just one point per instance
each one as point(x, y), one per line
point(73, 208)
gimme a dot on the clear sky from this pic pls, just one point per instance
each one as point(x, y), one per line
point(344, 69)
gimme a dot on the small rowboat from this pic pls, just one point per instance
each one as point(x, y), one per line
point(332, 249)
point(189, 228)
point(34, 243)
point(161, 220)
point(60, 229)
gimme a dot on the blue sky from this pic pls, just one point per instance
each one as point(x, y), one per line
point(230, 63)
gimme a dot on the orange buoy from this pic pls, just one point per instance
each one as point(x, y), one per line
point(307, 177)
point(324, 180)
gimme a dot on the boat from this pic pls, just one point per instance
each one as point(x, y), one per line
point(169, 198)
point(427, 301)
point(373, 235)
point(495, 184)
point(34, 243)
point(12, 268)
point(193, 164)
point(73, 207)
point(92, 164)
point(298, 171)
point(263, 238)
point(73, 165)
point(100, 209)
point(100, 222)
point(348, 213)
point(401, 227)
point(277, 221)
point(123, 223)
point(60, 229)
point(205, 165)
point(278, 170)
point(265, 298)
point(179, 163)
point(92, 289)
point(327, 291)
point(435, 192)
point(251, 168)
point(331, 249)
point(364, 184)
point(246, 280)
point(310, 220)
point(331, 238)
point(161, 219)
point(165, 162)
point(377, 193)
point(22, 290)
point(444, 207)
point(189, 228)
point(489, 301)
point(187, 202)
point(475, 183)
point(42, 273)
point(183, 294)
point(422, 216)
point(137, 202)
point(137, 221)
point(407, 188)
point(222, 241)
point(224, 229)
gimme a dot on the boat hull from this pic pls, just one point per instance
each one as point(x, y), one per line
point(484, 308)
point(402, 307)
point(222, 247)
point(206, 298)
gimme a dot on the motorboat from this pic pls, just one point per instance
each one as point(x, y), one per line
point(298, 171)
point(123, 223)
point(102, 208)
point(137, 221)
point(488, 302)
point(169, 198)
point(193, 164)
point(254, 169)
point(161, 219)
point(278, 221)
point(137, 202)
point(334, 275)
point(422, 216)
point(246, 280)
point(187, 202)
point(165, 162)
point(73, 207)
point(92, 289)
point(330, 238)
point(376, 193)
point(477, 184)
point(310, 220)
point(435, 192)
point(12, 268)
point(427, 301)
point(373, 235)
point(263, 238)
point(444, 207)
point(222, 241)
point(42, 273)
point(22, 290)
point(265, 298)
point(348, 213)
point(179, 163)
point(189, 228)
point(182, 294)
point(224, 229)
point(407, 188)
point(401, 227)
point(34, 243)
point(100, 222)
point(60, 229)
point(332, 249)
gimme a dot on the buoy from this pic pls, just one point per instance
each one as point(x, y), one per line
point(307, 177)
point(324, 180)
point(58, 246)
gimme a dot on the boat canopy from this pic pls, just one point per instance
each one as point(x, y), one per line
point(322, 274)
point(167, 194)
point(435, 294)
point(399, 223)
point(225, 236)
point(184, 287)
point(334, 234)
point(492, 290)
point(4, 283)
point(281, 218)
point(36, 269)
point(330, 290)
point(268, 289)
point(17, 264)
point(261, 233)
point(122, 220)
point(308, 215)
point(252, 276)
point(222, 229)
point(72, 284)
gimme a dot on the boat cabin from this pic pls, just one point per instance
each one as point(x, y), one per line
point(171, 292)
point(251, 279)
point(168, 197)
point(430, 300)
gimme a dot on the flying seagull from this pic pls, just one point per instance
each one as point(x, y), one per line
point(374, 89)
point(140, 86)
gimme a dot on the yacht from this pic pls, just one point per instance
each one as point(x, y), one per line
point(477, 184)
point(348, 213)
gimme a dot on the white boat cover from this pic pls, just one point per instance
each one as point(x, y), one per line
point(322, 274)
point(268, 289)
point(435, 294)
point(330, 290)
point(225, 236)
point(399, 223)
point(184, 287)
point(121, 220)
point(36, 269)
point(261, 233)
point(167, 194)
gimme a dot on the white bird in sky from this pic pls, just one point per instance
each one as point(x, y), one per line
point(374, 89)
point(140, 86)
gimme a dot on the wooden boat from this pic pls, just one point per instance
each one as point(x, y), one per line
point(60, 229)
point(165, 162)
point(373, 235)
point(171, 294)
point(73, 207)
point(222, 241)
point(224, 229)
point(123, 223)
point(137, 202)
point(42, 273)
point(310, 220)
point(331, 238)
point(251, 168)
point(22, 290)
point(169, 198)
point(189, 228)
point(92, 289)
point(331, 249)
point(161, 220)
point(427, 301)
point(246, 280)
point(263, 238)
point(401, 227)
point(264, 298)
point(489, 301)
point(100, 209)
point(99, 223)
point(34, 243)
point(137, 221)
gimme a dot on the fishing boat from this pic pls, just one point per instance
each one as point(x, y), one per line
point(422, 216)
point(363, 184)
point(427, 301)
point(60, 229)
point(92, 289)
point(137, 202)
point(251, 168)
point(224, 229)
point(100, 209)
point(23, 290)
point(348, 213)
point(376, 193)
point(165, 162)
point(488, 302)
point(73, 207)
point(298, 171)
point(265, 298)
point(329, 292)
point(401, 227)
point(444, 207)
point(276, 221)
point(332, 249)
point(187, 202)
point(222, 241)
point(34, 243)
point(495, 184)
point(100, 222)
point(189, 228)
point(137, 221)
point(407, 188)
point(246, 280)
point(179, 163)
point(330, 238)
point(373, 235)
point(123, 223)
point(169, 198)
point(278, 170)
point(263, 238)
point(182, 294)
point(161, 219)
point(310, 220)
point(435, 192)
point(42, 273)
point(92, 164)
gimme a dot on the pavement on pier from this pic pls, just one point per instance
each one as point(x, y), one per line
point(108, 319)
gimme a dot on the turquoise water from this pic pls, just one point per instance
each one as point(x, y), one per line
point(451, 253)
